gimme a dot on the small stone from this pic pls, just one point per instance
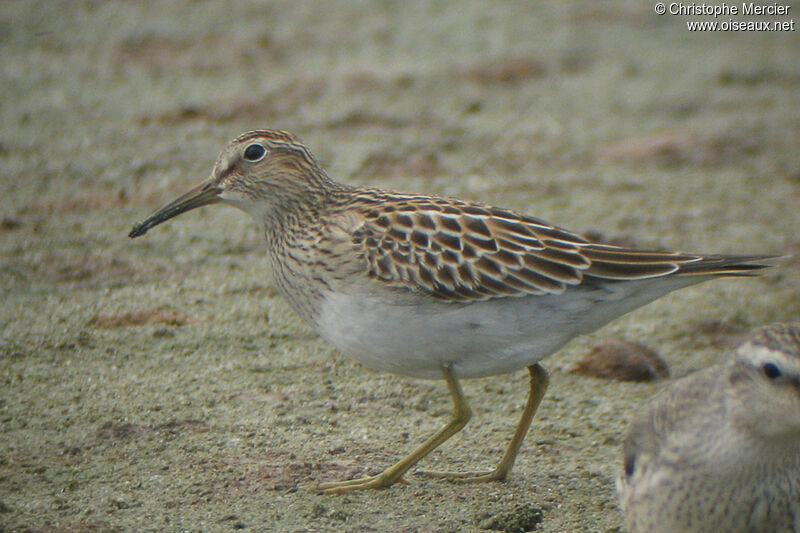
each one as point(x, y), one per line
point(521, 519)
point(163, 333)
point(622, 360)
point(9, 223)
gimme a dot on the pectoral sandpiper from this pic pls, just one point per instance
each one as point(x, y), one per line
point(432, 287)
point(720, 450)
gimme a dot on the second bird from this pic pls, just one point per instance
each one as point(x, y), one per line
point(432, 287)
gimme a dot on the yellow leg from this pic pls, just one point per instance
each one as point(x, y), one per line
point(394, 474)
point(538, 385)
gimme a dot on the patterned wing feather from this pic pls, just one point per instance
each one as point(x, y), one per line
point(461, 251)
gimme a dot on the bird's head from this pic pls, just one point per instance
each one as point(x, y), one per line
point(765, 383)
point(261, 172)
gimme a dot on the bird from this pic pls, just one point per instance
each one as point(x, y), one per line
point(432, 287)
point(719, 450)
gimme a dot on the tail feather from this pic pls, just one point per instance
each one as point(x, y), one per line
point(609, 262)
point(729, 265)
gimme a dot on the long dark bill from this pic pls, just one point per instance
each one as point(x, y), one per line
point(204, 194)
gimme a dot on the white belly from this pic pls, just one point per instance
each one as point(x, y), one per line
point(417, 337)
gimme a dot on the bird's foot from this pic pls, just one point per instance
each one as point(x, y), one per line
point(497, 474)
point(379, 481)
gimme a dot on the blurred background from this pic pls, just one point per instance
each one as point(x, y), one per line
point(160, 384)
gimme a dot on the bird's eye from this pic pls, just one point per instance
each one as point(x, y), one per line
point(630, 464)
point(771, 370)
point(254, 152)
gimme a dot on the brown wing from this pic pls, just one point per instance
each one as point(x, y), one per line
point(461, 251)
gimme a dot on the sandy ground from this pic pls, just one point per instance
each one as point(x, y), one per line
point(161, 385)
